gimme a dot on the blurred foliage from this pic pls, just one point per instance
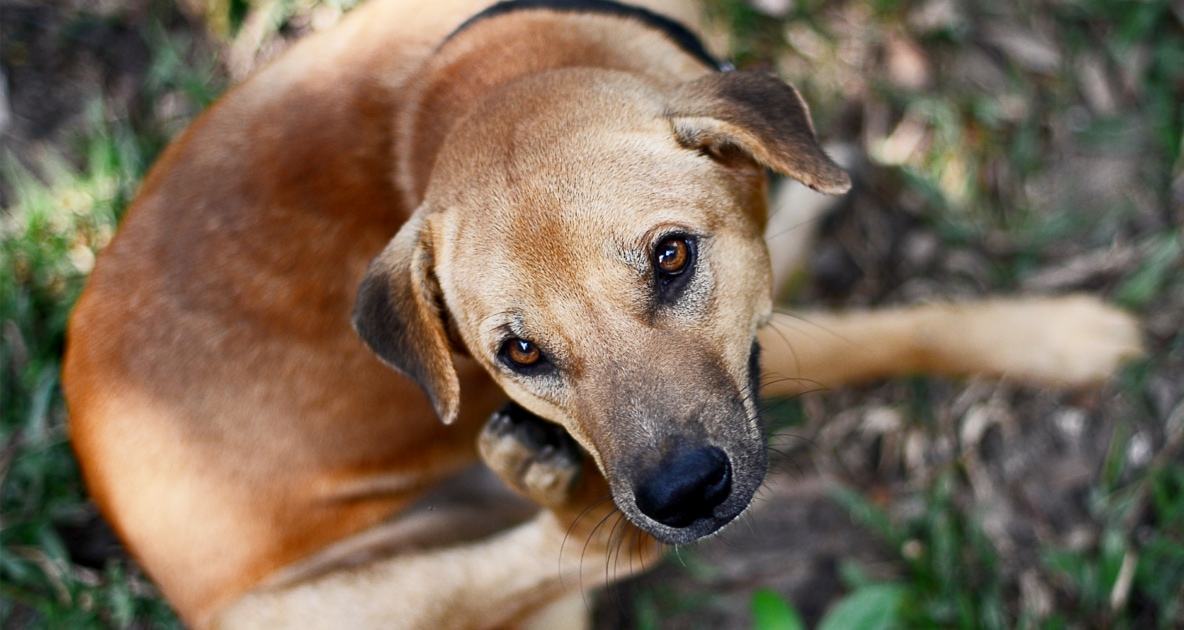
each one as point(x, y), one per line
point(1004, 123)
point(48, 242)
point(61, 217)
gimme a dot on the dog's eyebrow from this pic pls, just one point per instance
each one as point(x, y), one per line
point(502, 320)
point(506, 325)
point(500, 326)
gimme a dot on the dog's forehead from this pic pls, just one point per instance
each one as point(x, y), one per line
point(611, 188)
point(526, 263)
point(559, 193)
point(593, 216)
point(576, 140)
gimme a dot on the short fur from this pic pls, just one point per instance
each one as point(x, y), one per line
point(268, 470)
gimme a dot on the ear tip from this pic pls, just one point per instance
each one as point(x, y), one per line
point(833, 183)
point(448, 414)
point(826, 177)
point(446, 399)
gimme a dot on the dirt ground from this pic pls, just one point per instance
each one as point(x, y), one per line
point(1024, 465)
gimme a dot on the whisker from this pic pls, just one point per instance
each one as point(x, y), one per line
point(636, 548)
point(785, 340)
point(796, 226)
point(779, 379)
point(796, 316)
point(810, 442)
point(571, 528)
point(750, 520)
point(613, 546)
point(584, 551)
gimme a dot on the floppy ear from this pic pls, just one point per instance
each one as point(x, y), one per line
point(398, 313)
point(762, 116)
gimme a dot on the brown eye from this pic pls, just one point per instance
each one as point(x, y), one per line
point(672, 255)
point(521, 353)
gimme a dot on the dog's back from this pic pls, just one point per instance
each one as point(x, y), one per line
point(221, 313)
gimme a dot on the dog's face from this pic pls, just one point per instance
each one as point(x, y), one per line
point(596, 244)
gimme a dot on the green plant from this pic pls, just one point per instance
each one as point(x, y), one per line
point(48, 242)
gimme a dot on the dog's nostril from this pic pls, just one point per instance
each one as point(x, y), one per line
point(686, 489)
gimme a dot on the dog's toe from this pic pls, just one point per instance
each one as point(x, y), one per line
point(535, 457)
point(1096, 339)
point(1066, 341)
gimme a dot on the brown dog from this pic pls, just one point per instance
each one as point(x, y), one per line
point(577, 198)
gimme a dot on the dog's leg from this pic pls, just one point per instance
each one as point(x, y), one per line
point(573, 545)
point(483, 585)
point(1065, 341)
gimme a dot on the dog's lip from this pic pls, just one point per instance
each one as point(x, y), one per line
point(701, 528)
point(697, 529)
point(724, 514)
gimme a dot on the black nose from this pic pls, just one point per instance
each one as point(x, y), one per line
point(687, 488)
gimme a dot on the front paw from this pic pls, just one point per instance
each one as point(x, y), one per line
point(1068, 341)
point(533, 456)
point(540, 460)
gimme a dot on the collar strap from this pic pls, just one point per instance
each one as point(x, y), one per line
point(679, 34)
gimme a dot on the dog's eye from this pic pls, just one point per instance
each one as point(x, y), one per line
point(672, 255)
point(520, 353)
point(674, 264)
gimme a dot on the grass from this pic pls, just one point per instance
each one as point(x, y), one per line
point(993, 176)
point(1130, 579)
point(62, 217)
point(50, 239)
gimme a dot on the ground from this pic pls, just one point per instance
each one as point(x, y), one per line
point(1000, 148)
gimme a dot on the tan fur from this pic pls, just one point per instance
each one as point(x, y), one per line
point(267, 470)
point(1059, 342)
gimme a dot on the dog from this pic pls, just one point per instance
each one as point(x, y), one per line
point(556, 202)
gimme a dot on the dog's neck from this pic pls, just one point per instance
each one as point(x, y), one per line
point(498, 48)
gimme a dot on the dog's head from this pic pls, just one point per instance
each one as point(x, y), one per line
point(595, 242)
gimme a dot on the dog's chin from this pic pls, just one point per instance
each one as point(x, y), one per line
point(700, 528)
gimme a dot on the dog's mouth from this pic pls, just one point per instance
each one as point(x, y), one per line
point(688, 495)
point(692, 494)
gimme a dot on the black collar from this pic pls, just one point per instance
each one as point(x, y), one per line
point(678, 33)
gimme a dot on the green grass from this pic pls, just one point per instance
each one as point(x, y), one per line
point(951, 578)
point(60, 219)
point(49, 241)
point(972, 182)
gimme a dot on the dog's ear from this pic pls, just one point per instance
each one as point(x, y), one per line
point(760, 115)
point(399, 314)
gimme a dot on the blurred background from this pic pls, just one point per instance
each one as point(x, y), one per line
point(999, 147)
